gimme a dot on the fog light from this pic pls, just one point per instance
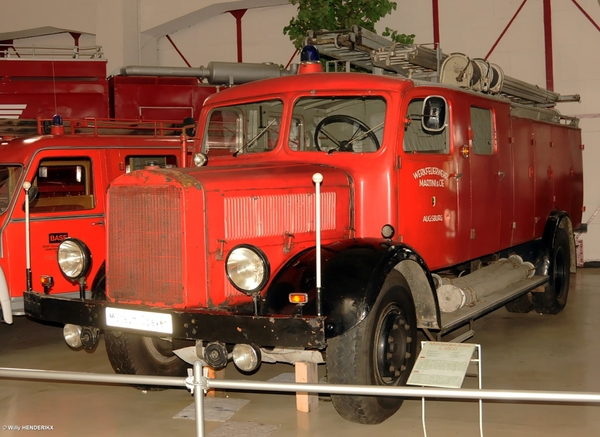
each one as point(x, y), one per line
point(246, 357)
point(72, 335)
point(215, 355)
point(89, 337)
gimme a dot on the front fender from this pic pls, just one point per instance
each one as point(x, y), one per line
point(353, 273)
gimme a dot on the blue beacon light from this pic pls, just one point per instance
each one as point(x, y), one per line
point(57, 127)
point(310, 61)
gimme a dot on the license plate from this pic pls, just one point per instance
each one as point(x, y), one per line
point(142, 320)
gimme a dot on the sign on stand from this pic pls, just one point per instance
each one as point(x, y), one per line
point(442, 364)
point(445, 364)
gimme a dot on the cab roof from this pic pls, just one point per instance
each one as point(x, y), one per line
point(20, 150)
point(352, 83)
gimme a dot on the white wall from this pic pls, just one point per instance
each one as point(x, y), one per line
point(132, 31)
point(215, 39)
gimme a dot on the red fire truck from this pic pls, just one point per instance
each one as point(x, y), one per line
point(344, 212)
point(67, 174)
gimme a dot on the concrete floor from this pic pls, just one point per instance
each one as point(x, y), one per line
point(519, 351)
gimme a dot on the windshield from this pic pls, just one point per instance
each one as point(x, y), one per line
point(318, 124)
point(9, 176)
point(247, 128)
point(344, 124)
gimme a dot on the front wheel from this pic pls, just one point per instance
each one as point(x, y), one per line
point(138, 355)
point(554, 297)
point(378, 351)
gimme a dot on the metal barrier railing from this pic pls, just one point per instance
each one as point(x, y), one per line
point(198, 384)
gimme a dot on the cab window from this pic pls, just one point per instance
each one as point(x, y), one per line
point(9, 176)
point(63, 185)
point(337, 124)
point(137, 162)
point(417, 139)
point(482, 128)
point(246, 128)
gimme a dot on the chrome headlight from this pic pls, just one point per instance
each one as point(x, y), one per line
point(247, 269)
point(74, 258)
point(200, 159)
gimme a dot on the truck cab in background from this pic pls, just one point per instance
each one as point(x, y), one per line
point(68, 175)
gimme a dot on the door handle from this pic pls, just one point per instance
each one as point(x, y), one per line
point(100, 223)
point(501, 174)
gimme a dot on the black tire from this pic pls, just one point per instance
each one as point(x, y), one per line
point(138, 355)
point(133, 354)
point(521, 304)
point(554, 298)
point(381, 350)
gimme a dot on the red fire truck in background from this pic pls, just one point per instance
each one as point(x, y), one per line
point(344, 212)
point(77, 89)
point(35, 85)
point(67, 175)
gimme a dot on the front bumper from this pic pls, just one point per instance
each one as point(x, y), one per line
point(271, 330)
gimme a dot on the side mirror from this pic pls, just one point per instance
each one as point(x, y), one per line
point(189, 125)
point(435, 109)
point(32, 194)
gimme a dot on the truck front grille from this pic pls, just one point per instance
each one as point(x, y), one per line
point(265, 216)
point(145, 252)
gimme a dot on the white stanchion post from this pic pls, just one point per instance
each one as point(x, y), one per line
point(318, 179)
point(26, 187)
point(199, 398)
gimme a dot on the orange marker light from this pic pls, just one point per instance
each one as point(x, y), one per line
point(47, 281)
point(298, 298)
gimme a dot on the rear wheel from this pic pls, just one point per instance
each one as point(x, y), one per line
point(554, 298)
point(139, 355)
point(378, 351)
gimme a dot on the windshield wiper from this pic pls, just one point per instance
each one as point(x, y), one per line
point(256, 137)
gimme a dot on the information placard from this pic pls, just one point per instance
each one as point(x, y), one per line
point(442, 364)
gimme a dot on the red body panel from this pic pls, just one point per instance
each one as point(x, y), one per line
point(42, 88)
point(157, 98)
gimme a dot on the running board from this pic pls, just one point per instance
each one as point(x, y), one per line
point(451, 321)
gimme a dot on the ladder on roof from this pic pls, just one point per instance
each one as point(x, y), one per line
point(370, 51)
point(10, 51)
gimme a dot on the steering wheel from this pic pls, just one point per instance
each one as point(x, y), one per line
point(324, 140)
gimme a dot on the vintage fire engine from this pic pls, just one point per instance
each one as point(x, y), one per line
point(344, 212)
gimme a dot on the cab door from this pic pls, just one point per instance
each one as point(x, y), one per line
point(485, 180)
point(69, 189)
point(429, 179)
